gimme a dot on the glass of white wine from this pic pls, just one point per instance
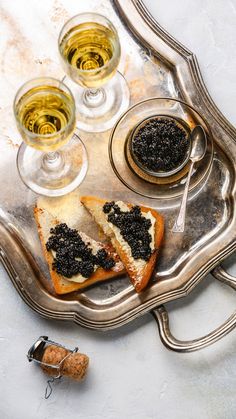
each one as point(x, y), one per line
point(51, 160)
point(90, 50)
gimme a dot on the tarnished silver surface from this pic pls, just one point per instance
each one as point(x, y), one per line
point(155, 65)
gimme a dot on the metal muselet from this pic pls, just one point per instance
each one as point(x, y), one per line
point(35, 354)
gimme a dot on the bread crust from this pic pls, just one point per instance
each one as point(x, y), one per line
point(141, 282)
point(61, 284)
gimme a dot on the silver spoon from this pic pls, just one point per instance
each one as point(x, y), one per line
point(197, 153)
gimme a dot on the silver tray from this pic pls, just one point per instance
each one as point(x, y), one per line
point(155, 65)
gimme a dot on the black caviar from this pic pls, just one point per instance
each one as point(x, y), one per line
point(69, 246)
point(160, 145)
point(133, 227)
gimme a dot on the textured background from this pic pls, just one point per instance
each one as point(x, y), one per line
point(131, 374)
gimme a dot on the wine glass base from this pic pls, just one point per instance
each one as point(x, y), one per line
point(102, 115)
point(64, 175)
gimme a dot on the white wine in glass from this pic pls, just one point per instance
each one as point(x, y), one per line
point(90, 51)
point(52, 159)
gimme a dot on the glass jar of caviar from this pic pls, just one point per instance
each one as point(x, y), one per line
point(160, 145)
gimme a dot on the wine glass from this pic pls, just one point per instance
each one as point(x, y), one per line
point(51, 160)
point(90, 50)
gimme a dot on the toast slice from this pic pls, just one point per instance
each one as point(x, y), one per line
point(139, 270)
point(45, 221)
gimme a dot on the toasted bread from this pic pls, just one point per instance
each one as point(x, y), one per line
point(139, 272)
point(45, 221)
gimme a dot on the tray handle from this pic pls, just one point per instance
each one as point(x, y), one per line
point(223, 276)
point(161, 316)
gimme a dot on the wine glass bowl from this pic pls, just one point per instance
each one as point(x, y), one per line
point(90, 49)
point(52, 160)
point(45, 113)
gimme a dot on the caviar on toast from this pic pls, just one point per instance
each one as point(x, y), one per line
point(75, 260)
point(135, 232)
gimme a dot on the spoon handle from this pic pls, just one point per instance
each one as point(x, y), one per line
point(180, 222)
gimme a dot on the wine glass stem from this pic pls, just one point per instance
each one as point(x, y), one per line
point(94, 97)
point(52, 161)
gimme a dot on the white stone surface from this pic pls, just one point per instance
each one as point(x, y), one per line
point(131, 374)
point(207, 28)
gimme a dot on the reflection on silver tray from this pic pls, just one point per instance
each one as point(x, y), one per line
point(155, 65)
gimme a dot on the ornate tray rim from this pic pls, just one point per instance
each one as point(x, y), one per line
point(130, 11)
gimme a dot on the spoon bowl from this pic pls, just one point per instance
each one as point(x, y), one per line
point(199, 144)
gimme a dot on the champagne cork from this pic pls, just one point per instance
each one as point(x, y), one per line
point(74, 365)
